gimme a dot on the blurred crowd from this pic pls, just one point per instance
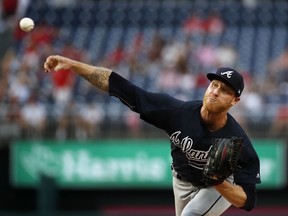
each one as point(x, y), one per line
point(63, 106)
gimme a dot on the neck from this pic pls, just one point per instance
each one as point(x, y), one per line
point(213, 121)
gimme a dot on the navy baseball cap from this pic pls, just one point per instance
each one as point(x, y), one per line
point(230, 76)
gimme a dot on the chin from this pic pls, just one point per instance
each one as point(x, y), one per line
point(213, 108)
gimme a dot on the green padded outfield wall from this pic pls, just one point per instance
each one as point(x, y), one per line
point(119, 163)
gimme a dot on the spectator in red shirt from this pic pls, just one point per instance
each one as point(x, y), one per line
point(213, 24)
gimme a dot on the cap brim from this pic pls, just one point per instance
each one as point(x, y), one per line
point(212, 76)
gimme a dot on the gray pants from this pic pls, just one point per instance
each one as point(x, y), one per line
point(192, 201)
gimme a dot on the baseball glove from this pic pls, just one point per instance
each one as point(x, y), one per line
point(222, 160)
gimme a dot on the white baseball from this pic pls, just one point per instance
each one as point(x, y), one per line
point(26, 24)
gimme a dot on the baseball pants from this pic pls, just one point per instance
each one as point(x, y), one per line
point(194, 201)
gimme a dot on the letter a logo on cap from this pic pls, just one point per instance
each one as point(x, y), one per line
point(228, 73)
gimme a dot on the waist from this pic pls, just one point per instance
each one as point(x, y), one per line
point(185, 179)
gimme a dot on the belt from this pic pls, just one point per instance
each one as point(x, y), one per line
point(181, 178)
point(178, 176)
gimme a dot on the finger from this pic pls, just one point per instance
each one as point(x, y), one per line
point(50, 63)
point(46, 64)
point(47, 67)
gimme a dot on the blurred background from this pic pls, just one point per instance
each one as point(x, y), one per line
point(68, 149)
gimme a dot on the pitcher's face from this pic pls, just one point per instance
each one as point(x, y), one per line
point(219, 97)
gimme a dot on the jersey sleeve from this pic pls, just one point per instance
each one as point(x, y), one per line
point(248, 170)
point(154, 108)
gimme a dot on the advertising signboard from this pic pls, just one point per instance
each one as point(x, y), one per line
point(119, 163)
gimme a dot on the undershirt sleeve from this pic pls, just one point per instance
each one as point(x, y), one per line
point(124, 90)
point(154, 108)
point(250, 190)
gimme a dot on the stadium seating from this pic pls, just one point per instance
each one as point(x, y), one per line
point(259, 33)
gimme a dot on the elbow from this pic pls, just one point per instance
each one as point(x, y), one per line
point(244, 204)
point(248, 207)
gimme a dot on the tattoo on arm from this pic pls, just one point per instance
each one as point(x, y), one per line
point(99, 78)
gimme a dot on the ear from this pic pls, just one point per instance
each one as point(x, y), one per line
point(236, 100)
